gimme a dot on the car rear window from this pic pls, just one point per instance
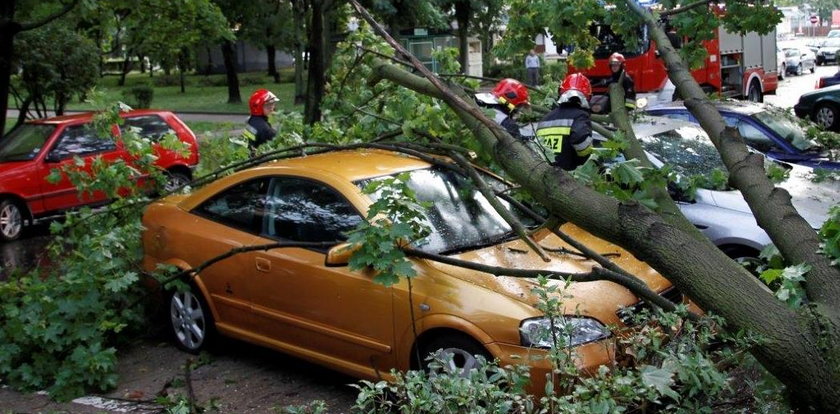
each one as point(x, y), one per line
point(153, 127)
point(79, 140)
point(25, 142)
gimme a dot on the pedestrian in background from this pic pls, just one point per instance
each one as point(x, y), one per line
point(532, 66)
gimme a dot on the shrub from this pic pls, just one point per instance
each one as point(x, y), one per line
point(142, 94)
point(506, 70)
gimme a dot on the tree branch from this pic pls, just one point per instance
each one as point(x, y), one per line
point(685, 8)
point(62, 12)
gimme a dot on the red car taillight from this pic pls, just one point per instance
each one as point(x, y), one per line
point(820, 83)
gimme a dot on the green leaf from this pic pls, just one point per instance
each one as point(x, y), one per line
point(659, 379)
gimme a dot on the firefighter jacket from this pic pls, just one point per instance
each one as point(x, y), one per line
point(567, 132)
point(503, 118)
point(258, 131)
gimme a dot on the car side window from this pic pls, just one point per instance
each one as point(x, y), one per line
point(307, 211)
point(754, 137)
point(80, 140)
point(152, 127)
point(241, 206)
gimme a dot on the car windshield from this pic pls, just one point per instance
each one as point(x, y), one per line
point(460, 217)
point(686, 149)
point(833, 42)
point(782, 124)
point(24, 142)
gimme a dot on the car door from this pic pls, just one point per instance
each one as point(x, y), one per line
point(229, 220)
point(80, 141)
point(304, 306)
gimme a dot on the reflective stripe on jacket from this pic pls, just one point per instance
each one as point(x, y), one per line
point(567, 132)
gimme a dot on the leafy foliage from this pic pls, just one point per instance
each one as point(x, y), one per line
point(56, 65)
point(830, 233)
point(59, 325)
point(394, 219)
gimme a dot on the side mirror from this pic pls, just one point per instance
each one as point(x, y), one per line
point(339, 255)
point(52, 158)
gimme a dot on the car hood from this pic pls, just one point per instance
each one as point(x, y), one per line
point(829, 49)
point(812, 200)
point(600, 299)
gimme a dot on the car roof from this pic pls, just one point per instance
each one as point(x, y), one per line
point(87, 116)
point(739, 107)
point(351, 165)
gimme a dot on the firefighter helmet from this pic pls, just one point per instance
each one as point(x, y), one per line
point(576, 85)
point(617, 57)
point(259, 98)
point(511, 93)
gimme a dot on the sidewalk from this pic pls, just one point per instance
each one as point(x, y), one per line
point(12, 114)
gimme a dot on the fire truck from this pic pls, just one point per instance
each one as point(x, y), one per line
point(736, 66)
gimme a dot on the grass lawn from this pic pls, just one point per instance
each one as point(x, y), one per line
point(203, 93)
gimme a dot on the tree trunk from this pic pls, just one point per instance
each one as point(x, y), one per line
point(697, 269)
point(316, 80)
point(486, 51)
point(182, 67)
point(271, 54)
point(462, 15)
point(299, 30)
point(8, 30)
point(234, 96)
point(126, 67)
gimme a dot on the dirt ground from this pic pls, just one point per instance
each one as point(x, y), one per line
point(240, 378)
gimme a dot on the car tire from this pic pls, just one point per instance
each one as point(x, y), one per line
point(190, 320)
point(813, 69)
point(799, 70)
point(11, 220)
point(754, 93)
point(462, 348)
point(175, 180)
point(826, 115)
point(782, 72)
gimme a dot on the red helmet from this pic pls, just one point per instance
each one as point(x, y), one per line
point(510, 92)
point(259, 98)
point(576, 86)
point(617, 57)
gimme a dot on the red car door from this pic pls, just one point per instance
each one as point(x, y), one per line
point(74, 141)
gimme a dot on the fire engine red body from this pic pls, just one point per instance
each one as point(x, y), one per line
point(736, 66)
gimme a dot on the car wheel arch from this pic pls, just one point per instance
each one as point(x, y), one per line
point(21, 203)
point(437, 324)
point(195, 281)
point(825, 103)
point(438, 333)
point(14, 206)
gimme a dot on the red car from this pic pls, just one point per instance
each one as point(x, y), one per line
point(29, 152)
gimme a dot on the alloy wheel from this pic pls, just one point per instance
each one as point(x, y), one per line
point(189, 323)
point(11, 220)
point(825, 117)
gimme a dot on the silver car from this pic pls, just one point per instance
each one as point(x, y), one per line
point(798, 60)
point(724, 216)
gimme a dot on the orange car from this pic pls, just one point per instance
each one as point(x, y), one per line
point(308, 303)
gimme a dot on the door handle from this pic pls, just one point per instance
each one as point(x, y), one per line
point(263, 265)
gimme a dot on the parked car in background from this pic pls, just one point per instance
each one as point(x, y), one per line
point(306, 301)
point(798, 60)
point(833, 33)
point(780, 60)
point(826, 81)
point(724, 216)
point(31, 151)
point(827, 53)
point(769, 130)
point(815, 44)
point(821, 106)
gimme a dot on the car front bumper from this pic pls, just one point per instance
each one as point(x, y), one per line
point(802, 111)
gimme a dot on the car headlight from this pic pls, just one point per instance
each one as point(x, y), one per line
point(569, 330)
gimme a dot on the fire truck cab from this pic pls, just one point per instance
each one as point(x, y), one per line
point(736, 66)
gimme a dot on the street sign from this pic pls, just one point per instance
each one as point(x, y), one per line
point(815, 19)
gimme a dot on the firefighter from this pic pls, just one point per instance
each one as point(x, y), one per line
point(566, 131)
point(506, 97)
point(617, 68)
point(257, 129)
